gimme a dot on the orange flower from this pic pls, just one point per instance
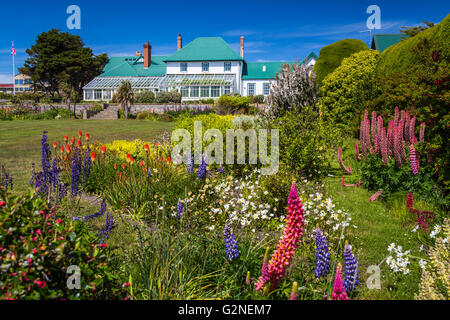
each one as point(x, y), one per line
point(80, 133)
point(129, 157)
point(102, 149)
point(157, 144)
point(141, 163)
point(87, 136)
point(124, 165)
point(147, 148)
point(168, 159)
point(68, 148)
point(79, 143)
point(72, 141)
point(66, 138)
point(115, 166)
point(120, 175)
point(62, 149)
point(131, 160)
point(93, 156)
point(55, 144)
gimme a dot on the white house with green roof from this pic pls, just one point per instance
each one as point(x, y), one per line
point(205, 68)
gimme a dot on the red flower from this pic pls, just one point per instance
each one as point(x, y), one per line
point(68, 148)
point(115, 166)
point(58, 221)
point(87, 136)
point(66, 138)
point(141, 163)
point(124, 165)
point(93, 156)
point(147, 148)
point(2, 203)
point(55, 144)
point(79, 143)
point(102, 149)
point(80, 133)
point(168, 159)
point(62, 149)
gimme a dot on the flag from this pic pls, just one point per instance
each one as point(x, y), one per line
point(13, 51)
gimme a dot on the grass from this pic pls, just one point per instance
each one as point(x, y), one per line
point(20, 141)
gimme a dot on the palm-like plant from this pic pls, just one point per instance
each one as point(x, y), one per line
point(125, 97)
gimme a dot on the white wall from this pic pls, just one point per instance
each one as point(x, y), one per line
point(258, 86)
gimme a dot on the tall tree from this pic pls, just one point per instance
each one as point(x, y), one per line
point(60, 56)
point(125, 96)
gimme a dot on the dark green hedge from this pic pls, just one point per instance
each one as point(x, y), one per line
point(331, 56)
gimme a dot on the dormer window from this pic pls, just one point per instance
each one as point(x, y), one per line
point(205, 66)
point(264, 68)
point(227, 66)
point(183, 67)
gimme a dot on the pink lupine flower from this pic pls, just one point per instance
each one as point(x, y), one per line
point(348, 170)
point(407, 124)
point(413, 160)
point(374, 128)
point(259, 286)
point(398, 145)
point(410, 201)
point(422, 132)
point(384, 147)
point(412, 125)
point(362, 131)
point(338, 287)
point(358, 156)
point(390, 135)
point(292, 233)
point(371, 150)
point(375, 196)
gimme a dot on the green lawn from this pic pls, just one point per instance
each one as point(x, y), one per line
point(20, 141)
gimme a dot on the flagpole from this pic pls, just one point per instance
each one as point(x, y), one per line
point(14, 83)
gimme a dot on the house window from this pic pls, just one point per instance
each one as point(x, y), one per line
point(183, 67)
point(184, 91)
point(227, 66)
point(226, 90)
point(98, 94)
point(266, 88)
point(204, 92)
point(17, 81)
point(215, 91)
point(88, 95)
point(251, 89)
point(194, 92)
point(205, 66)
point(106, 95)
point(20, 81)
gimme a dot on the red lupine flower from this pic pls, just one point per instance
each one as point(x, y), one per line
point(338, 287)
point(410, 201)
point(87, 136)
point(62, 149)
point(66, 138)
point(72, 141)
point(79, 143)
point(292, 233)
point(55, 144)
point(80, 133)
point(68, 148)
point(93, 156)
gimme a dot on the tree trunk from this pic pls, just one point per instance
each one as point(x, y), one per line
point(68, 106)
point(126, 110)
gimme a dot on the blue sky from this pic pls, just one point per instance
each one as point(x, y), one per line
point(274, 30)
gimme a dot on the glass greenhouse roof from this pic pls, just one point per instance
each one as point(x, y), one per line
point(115, 82)
point(172, 80)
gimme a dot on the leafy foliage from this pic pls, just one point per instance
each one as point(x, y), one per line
point(331, 56)
point(168, 97)
point(232, 105)
point(145, 97)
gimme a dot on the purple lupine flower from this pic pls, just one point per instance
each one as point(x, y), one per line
point(231, 247)
point(220, 168)
point(190, 164)
point(106, 231)
point(179, 208)
point(351, 277)
point(322, 255)
point(202, 170)
point(76, 168)
point(45, 163)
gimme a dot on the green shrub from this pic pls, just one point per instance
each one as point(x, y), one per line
point(402, 55)
point(38, 245)
point(331, 56)
point(303, 142)
point(143, 115)
point(346, 89)
point(232, 105)
point(145, 97)
point(259, 99)
point(168, 97)
point(97, 106)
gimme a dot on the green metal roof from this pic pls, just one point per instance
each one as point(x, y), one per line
point(133, 66)
point(382, 41)
point(206, 49)
point(255, 70)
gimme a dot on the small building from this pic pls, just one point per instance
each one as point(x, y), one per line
point(381, 42)
point(205, 68)
point(23, 83)
point(6, 87)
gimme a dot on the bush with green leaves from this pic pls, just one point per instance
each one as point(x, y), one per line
point(331, 56)
point(346, 89)
point(303, 142)
point(168, 97)
point(145, 97)
point(294, 88)
point(37, 247)
point(232, 105)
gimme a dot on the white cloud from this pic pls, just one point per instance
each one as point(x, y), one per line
point(5, 78)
